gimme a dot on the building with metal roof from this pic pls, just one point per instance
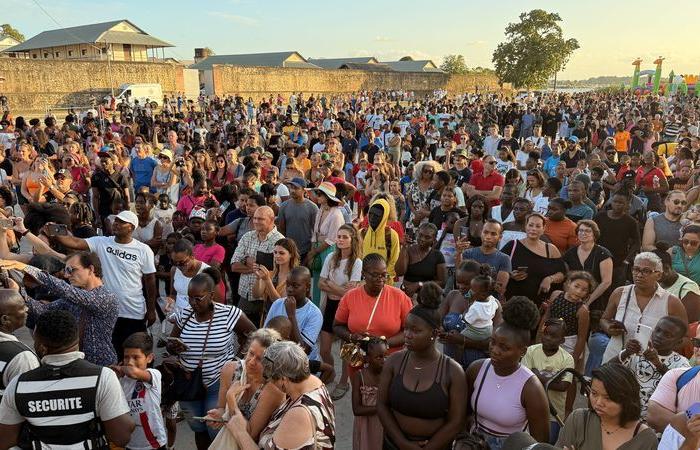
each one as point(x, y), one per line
point(367, 67)
point(336, 63)
point(5, 43)
point(280, 59)
point(118, 40)
point(409, 65)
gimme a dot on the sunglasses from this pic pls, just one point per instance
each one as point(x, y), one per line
point(182, 263)
point(680, 202)
point(690, 243)
point(68, 270)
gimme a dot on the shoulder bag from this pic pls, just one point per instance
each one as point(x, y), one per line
point(351, 352)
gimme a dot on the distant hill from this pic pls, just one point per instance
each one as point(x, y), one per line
point(602, 81)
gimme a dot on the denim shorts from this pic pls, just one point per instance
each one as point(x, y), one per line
point(199, 408)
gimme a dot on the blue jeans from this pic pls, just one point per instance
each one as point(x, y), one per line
point(554, 429)
point(596, 348)
point(199, 408)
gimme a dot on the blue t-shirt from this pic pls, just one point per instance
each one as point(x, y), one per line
point(550, 165)
point(143, 171)
point(309, 318)
point(500, 262)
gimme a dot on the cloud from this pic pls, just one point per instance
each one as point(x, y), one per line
point(383, 39)
point(475, 43)
point(235, 18)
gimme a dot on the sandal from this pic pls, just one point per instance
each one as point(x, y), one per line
point(340, 391)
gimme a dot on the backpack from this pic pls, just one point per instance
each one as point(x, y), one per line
point(685, 378)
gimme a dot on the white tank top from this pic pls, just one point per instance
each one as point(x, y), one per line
point(181, 283)
point(655, 310)
point(145, 234)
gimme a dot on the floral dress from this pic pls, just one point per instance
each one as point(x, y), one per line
point(319, 404)
point(419, 198)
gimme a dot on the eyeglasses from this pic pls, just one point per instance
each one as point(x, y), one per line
point(680, 202)
point(68, 270)
point(690, 243)
point(376, 276)
point(585, 231)
point(201, 298)
point(490, 163)
point(428, 171)
point(182, 263)
point(643, 271)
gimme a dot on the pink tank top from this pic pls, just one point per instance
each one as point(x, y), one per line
point(500, 411)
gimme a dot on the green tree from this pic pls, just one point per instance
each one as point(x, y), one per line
point(8, 30)
point(454, 64)
point(534, 50)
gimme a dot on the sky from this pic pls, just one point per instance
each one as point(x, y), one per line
point(611, 33)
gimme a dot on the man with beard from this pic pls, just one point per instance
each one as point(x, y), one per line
point(665, 227)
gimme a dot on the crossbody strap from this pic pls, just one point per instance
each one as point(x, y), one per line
point(478, 393)
point(374, 309)
point(206, 338)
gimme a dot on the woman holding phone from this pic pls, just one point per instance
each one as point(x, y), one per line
point(537, 265)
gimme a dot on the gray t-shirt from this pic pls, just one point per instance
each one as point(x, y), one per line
point(299, 219)
point(497, 260)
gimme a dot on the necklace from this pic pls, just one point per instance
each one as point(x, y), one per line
point(426, 365)
point(611, 432)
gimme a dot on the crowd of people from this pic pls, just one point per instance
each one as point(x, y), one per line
point(200, 262)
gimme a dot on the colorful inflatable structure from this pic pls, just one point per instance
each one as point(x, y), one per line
point(677, 84)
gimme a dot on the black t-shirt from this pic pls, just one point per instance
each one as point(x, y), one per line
point(570, 160)
point(110, 188)
point(7, 166)
point(511, 143)
point(612, 233)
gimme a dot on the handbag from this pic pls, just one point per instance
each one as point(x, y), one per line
point(473, 440)
point(350, 352)
point(186, 385)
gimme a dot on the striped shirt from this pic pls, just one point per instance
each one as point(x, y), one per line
point(250, 245)
point(222, 343)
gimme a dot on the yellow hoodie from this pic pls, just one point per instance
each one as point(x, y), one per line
point(375, 241)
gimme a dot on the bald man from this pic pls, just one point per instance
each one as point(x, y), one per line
point(15, 357)
point(254, 248)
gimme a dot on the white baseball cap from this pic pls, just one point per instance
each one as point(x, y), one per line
point(129, 217)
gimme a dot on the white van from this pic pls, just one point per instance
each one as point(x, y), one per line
point(131, 92)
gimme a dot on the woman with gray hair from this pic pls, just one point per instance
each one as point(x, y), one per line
point(642, 303)
point(306, 421)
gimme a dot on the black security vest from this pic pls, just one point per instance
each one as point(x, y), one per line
point(8, 351)
point(59, 404)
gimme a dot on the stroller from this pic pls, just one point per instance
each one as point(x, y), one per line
point(584, 389)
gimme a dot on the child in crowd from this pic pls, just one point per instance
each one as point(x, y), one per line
point(545, 360)
point(367, 430)
point(485, 311)
point(569, 305)
point(164, 212)
point(596, 192)
point(399, 199)
point(142, 388)
point(649, 361)
point(504, 161)
point(446, 245)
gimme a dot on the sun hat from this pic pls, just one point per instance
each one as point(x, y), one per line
point(328, 189)
point(198, 213)
point(167, 153)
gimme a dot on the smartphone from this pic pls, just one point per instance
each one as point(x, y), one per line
point(463, 232)
point(265, 259)
point(693, 410)
point(522, 268)
point(642, 333)
point(209, 419)
point(7, 223)
point(57, 229)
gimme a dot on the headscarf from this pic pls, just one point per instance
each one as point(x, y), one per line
point(375, 240)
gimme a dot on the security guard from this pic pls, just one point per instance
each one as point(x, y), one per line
point(15, 357)
point(67, 401)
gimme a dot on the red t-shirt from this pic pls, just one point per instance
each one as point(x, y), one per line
point(645, 178)
point(356, 306)
point(487, 183)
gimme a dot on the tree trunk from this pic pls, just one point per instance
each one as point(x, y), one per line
point(555, 82)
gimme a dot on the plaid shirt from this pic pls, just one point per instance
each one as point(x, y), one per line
point(250, 245)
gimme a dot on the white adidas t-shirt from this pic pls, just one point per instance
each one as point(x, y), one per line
point(123, 265)
point(144, 409)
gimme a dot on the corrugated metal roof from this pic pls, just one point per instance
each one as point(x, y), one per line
point(278, 59)
point(367, 67)
point(335, 63)
point(88, 34)
point(413, 66)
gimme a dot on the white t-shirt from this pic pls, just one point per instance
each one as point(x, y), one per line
point(671, 439)
point(144, 405)
point(481, 314)
point(123, 266)
point(339, 275)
